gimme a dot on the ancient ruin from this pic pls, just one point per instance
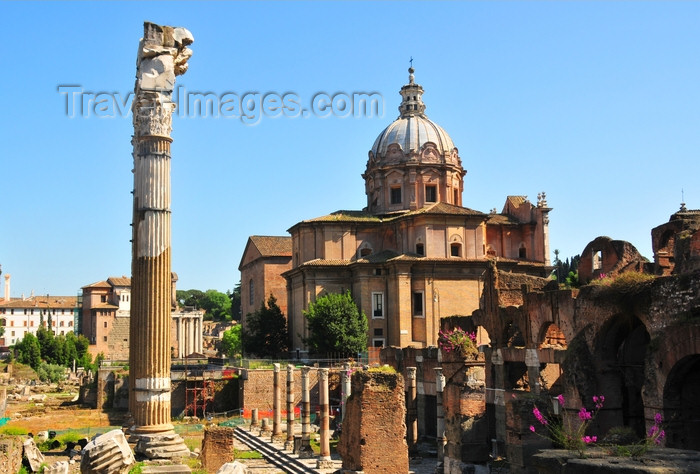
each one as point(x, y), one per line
point(163, 55)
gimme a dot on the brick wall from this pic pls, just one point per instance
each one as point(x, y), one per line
point(217, 447)
point(374, 430)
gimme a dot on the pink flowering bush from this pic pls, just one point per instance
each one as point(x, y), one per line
point(458, 340)
point(571, 436)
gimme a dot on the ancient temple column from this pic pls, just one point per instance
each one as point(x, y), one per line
point(290, 408)
point(276, 402)
point(305, 405)
point(162, 55)
point(411, 410)
point(325, 456)
point(439, 389)
point(346, 387)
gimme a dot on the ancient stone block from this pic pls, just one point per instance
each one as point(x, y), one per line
point(234, 467)
point(33, 455)
point(107, 453)
point(374, 429)
point(217, 447)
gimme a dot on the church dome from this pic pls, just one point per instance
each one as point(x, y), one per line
point(412, 132)
point(413, 162)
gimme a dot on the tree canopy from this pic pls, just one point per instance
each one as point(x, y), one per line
point(216, 304)
point(336, 325)
point(231, 342)
point(265, 333)
point(56, 350)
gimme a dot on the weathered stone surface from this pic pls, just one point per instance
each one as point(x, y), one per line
point(234, 467)
point(59, 467)
point(33, 455)
point(217, 447)
point(667, 461)
point(106, 454)
point(10, 454)
point(167, 445)
point(374, 430)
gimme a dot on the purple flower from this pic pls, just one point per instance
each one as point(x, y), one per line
point(532, 428)
point(583, 414)
point(653, 430)
point(658, 419)
point(538, 415)
point(560, 398)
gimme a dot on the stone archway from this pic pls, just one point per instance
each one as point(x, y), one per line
point(682, 405)
point(621, 346)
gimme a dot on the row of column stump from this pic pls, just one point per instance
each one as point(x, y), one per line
point(379, 420)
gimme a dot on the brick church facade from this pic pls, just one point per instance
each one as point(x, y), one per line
point(415, 254)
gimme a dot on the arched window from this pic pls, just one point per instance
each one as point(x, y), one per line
point(522, 252)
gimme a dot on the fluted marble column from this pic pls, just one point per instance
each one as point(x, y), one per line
point(163, 54)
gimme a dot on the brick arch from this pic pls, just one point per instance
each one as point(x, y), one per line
point(551, 335)
point(621, 347)
point(682, 405)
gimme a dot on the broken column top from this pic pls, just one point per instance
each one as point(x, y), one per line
point(163, 54)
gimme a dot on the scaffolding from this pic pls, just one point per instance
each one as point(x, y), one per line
point(199, 396)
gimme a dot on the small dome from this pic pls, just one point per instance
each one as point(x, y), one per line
point(412, 130)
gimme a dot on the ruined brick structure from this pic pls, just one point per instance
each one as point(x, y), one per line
point(217, 447)
point(676, 244)
point(607, 257)
point(637, 344)
point(374, 428)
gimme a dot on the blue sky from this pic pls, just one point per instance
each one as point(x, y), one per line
point(598, 104)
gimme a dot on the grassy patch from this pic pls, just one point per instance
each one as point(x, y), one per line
point(13, 431)
point(246, 455)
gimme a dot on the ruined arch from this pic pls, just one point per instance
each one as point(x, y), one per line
point(621, 349)
point(551, 337)
point(682, 405)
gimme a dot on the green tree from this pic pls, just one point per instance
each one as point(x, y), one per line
point(28, 351)
point(189, 298)
point(266, 330)
point(231, 342)
point(235, 297)
point(217, 305)
point(336, 325)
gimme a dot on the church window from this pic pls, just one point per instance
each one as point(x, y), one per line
point(420, 249)
point(396, 195)
point(251, 292)
point(456, 250)
point(418, 303)
point(431, 193)
point(522, 253)
point(456, 197)
point(377, 305)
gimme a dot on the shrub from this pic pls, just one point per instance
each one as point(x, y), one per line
point(458, 340)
